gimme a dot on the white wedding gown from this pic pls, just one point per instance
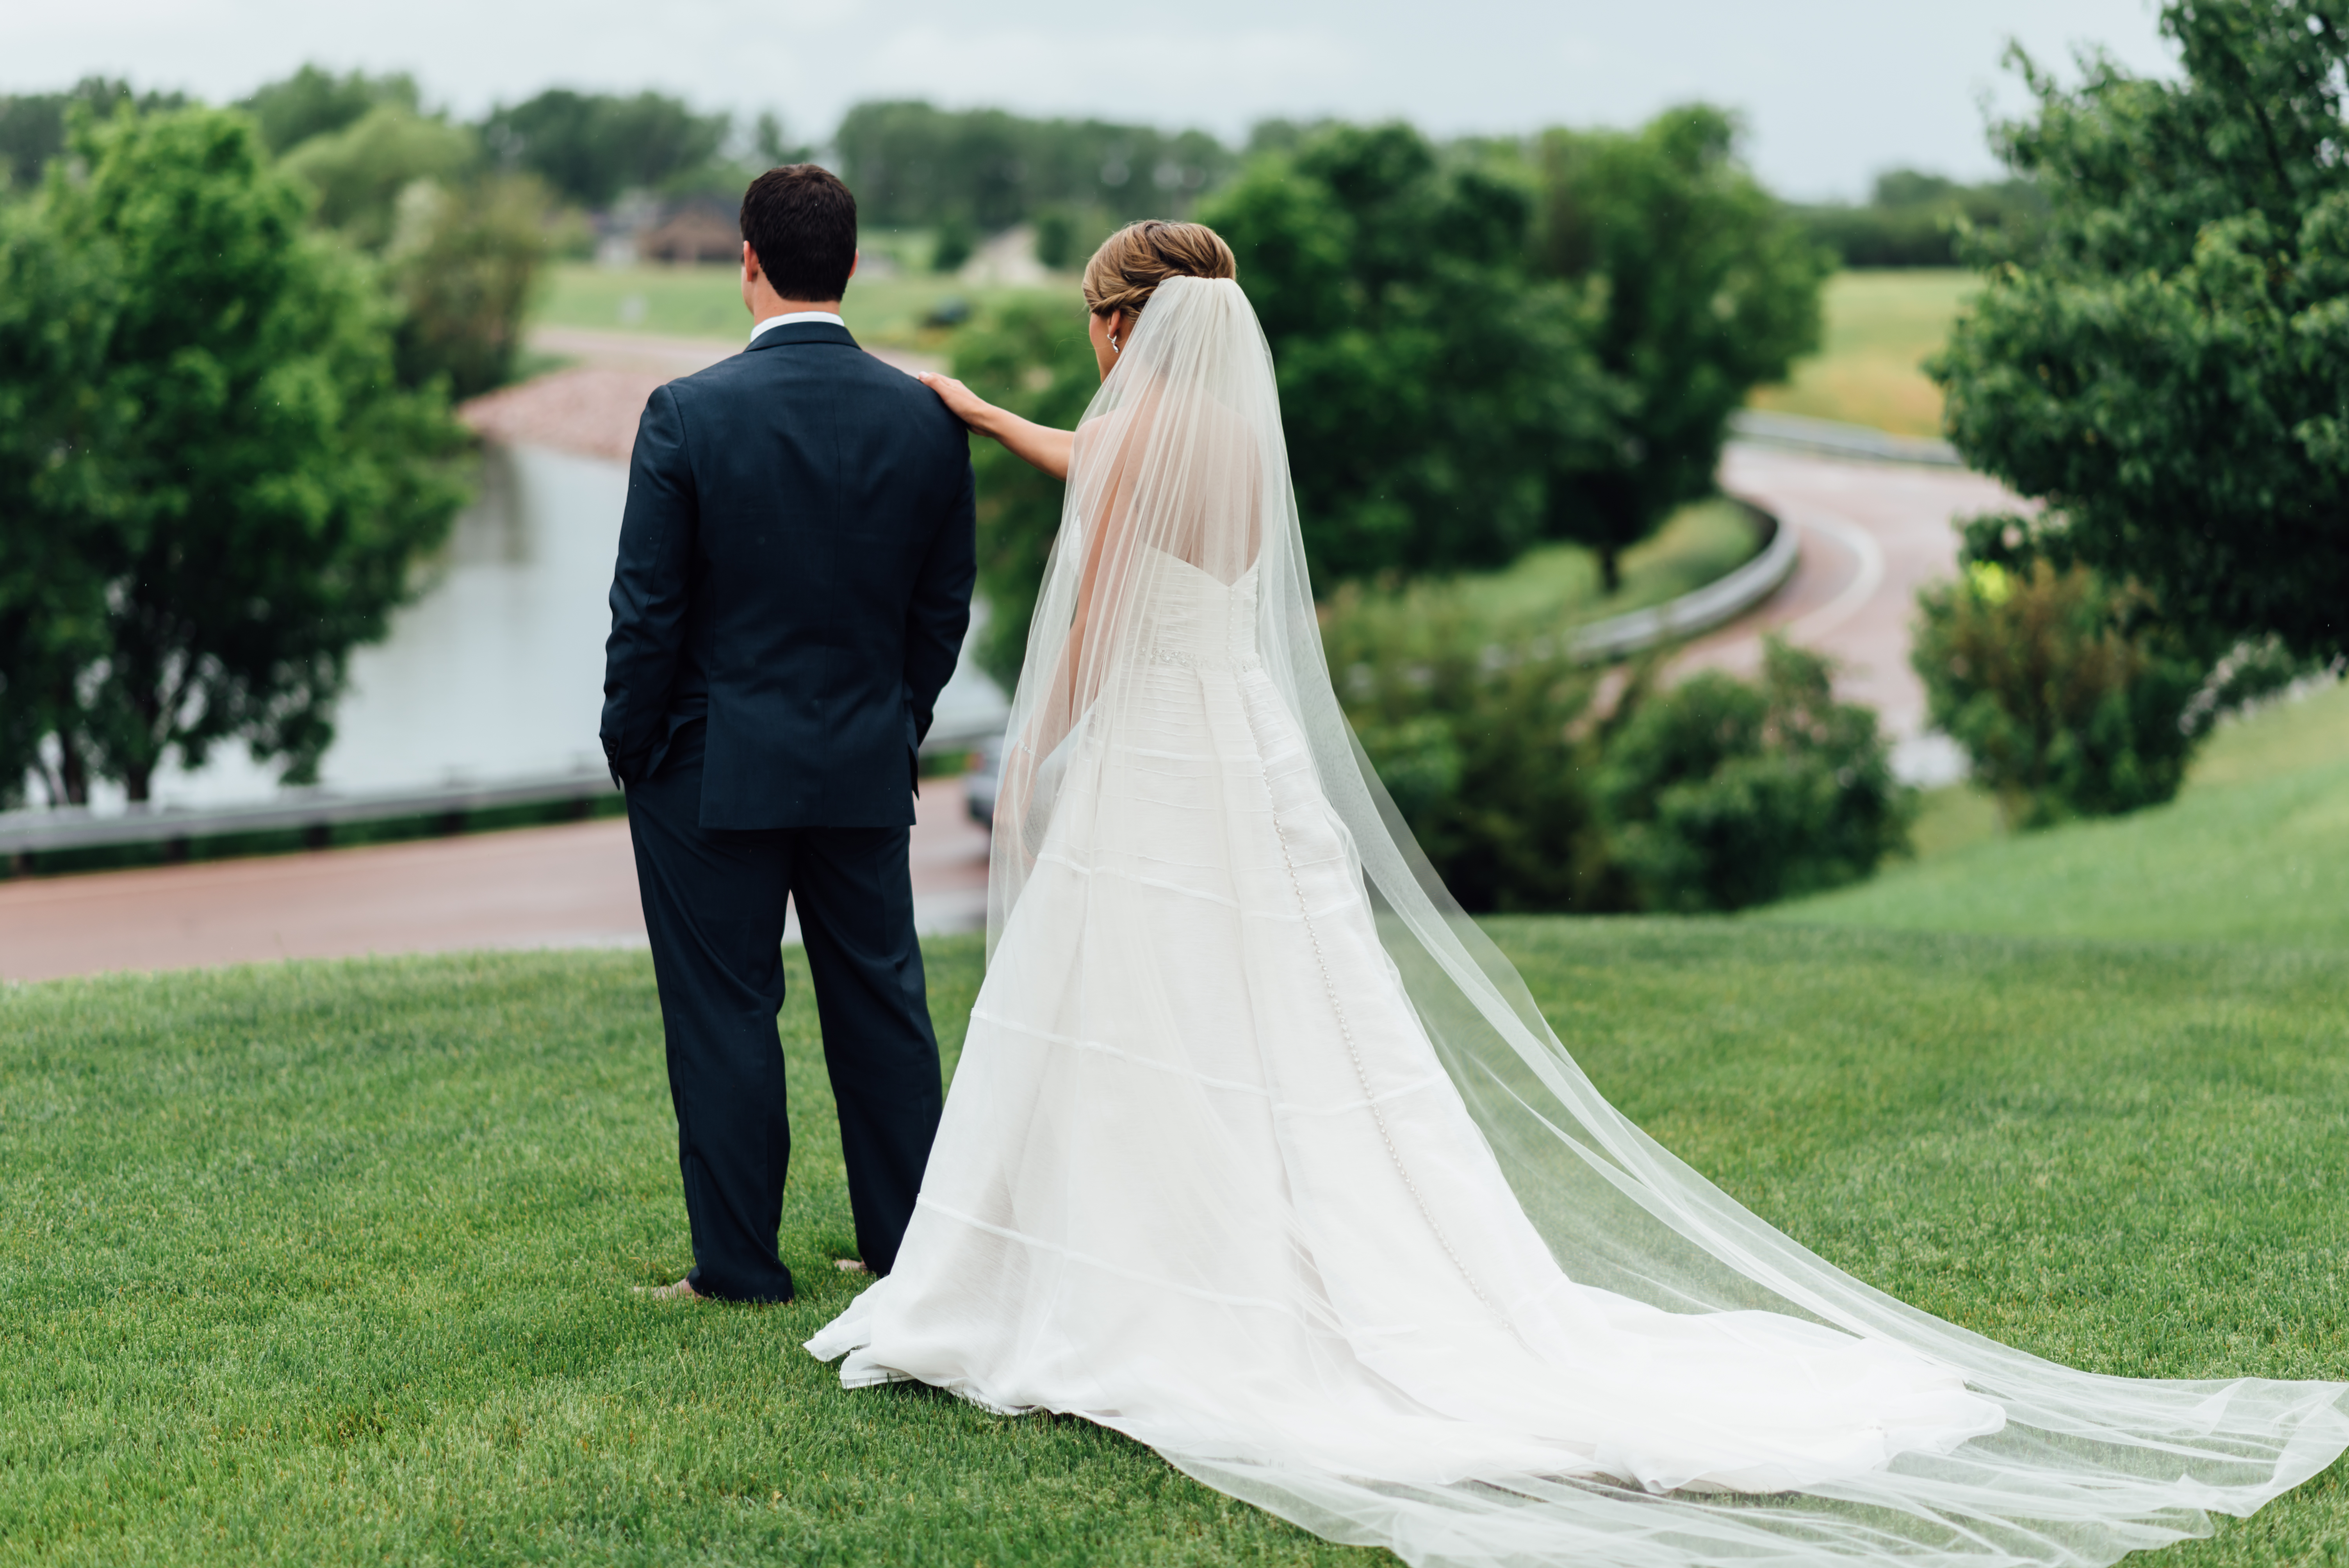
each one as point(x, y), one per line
point(1210, 1173)
point(1202, 1177)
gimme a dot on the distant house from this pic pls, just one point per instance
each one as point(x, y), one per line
point(700, 230)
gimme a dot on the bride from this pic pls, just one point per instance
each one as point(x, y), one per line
point(1260, 1153)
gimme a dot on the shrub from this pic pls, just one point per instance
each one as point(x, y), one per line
point(1483, 745)
point(1718, 795)
point(2066, 702)
point(953, 246)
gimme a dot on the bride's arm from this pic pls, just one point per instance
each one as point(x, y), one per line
point(1040, 445)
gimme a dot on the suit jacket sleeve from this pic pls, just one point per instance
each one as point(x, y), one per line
point(648, 588)
point(940, 611)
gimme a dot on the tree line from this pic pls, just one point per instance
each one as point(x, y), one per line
point(966, 172)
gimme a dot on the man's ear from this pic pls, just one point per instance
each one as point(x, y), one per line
point(750, 264)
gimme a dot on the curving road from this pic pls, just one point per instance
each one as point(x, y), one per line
point(1872, 534)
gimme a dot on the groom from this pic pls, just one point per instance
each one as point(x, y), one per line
point(793, 583)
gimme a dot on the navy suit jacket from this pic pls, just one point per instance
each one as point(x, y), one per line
point(795, 566)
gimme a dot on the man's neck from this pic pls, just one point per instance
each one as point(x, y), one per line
point(795, 313)
point(770, 306)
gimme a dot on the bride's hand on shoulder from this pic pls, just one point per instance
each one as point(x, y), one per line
point(961, 402)
point(1039, 445)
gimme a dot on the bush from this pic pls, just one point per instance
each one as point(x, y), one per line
point(1718, 795)
point(1484, 742)
point(1067, 235)
point(2067, 703)
point(953, 245)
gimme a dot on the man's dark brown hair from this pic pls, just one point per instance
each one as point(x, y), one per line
point(800, 221)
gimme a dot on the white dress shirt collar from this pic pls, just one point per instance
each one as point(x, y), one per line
point(793, 318)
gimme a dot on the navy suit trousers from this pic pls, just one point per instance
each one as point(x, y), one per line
point(714, 908)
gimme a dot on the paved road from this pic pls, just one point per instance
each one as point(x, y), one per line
point(1872, 535)
point(571, 886)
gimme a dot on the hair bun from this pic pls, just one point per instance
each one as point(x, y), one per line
point(1131, 263)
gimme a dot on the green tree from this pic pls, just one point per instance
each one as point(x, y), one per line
point(591, 147)
point(911, 163)
point(57, 305)
point(2067, 702)
point(2165, 364)
point(1709, 289)
point(1032, 356)
point(1719, 794)
point(464, 262)
point(314, 101)
point(1431, 388)
point(1917, 220)
point(255, 482)
point(461, 248)
point(361, 170)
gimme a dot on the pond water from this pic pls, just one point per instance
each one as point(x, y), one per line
point(496, 672)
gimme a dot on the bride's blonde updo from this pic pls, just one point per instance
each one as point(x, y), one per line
point(1131, 263)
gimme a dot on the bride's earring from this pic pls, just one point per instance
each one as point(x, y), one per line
point(1113, 348)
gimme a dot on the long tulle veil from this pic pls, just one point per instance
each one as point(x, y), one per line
point(1181, 466)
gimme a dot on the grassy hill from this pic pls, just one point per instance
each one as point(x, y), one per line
point(2255, 848)
point(329, 1262)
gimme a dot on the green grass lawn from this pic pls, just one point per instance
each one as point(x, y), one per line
point(2255, 848)
point(1880, 324)
point(329, 1263)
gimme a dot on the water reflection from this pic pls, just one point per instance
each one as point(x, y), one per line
point(496, 672)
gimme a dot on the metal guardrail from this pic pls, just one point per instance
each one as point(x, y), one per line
point(78, 828)
point(1715, 604)
point(1833, 439)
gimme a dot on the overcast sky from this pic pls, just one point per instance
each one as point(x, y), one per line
point(1832, 91)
